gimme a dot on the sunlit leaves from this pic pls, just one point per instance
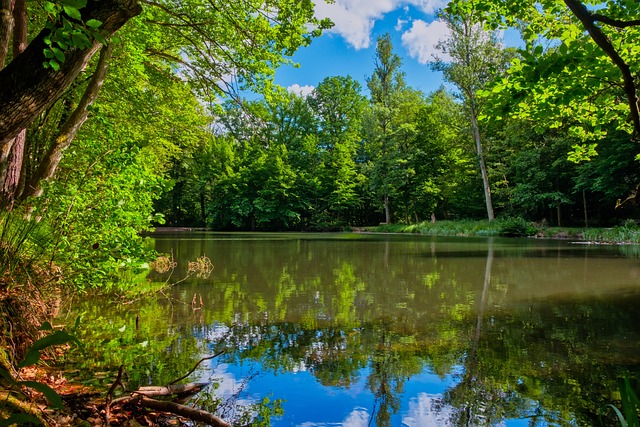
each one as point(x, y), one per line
point(564, 77)
point(68, 31)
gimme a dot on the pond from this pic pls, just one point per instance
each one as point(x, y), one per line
point(388, 330)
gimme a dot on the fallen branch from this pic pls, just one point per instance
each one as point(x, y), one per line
point(170, 390)
point(183, 411)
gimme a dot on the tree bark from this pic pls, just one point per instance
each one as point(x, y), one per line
point(387, 210)
point(28, 88)
point(12, 171)
point(6, 29)
point(71, 126)
point(483, 167)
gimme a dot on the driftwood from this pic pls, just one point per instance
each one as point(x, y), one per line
point(183, 411)
point(180, 391)
point(178, 394)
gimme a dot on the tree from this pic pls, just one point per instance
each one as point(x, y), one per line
point(586, 76)
point(441, 163)
point(338, 105)
point(385, 85)
point(194, 41)
point(29, 87)
point(476, 59)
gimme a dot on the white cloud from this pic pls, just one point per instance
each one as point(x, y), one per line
point(354, 19)
point(357, 418)
point(421, 40)
point(300, 90)
point(400, 24)
point(427, 410)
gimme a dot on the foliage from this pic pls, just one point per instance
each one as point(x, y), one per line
point(626, 233)
point(567, 76)
point(629, 417)
point(32, 357)
point(516, 227)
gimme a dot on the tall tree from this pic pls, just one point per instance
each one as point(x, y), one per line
point(338, 104)
point(385, 85)
point(473, 58)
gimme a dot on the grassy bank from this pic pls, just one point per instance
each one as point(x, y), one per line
point(515, 227)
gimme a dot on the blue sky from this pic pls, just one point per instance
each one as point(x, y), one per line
point(349, 47)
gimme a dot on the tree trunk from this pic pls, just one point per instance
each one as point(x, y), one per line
point(12, 171)
point(71, 126)
point(483, 168)
point(387, 211)
point(584, 204)
point(6, 29)
point(28, 88)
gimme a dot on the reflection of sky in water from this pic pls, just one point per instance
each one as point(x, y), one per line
point(310, 404)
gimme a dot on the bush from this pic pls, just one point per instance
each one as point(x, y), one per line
point(516, 227)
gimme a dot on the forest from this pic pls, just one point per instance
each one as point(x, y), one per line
point(119, 116)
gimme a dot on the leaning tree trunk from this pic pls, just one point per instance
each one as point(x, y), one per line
point(483, 167)
point(28, 88)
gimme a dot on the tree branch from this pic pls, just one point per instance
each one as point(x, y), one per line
point(28, 88)
point(184, 411)
point(615, 22)
point(71, 126)
point(588, 20)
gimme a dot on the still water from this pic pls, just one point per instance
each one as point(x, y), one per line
point(358, 330)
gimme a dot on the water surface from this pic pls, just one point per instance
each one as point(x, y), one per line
point(386, 330)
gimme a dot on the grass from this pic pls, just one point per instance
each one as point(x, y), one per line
point(629, 232)
point(442, 228)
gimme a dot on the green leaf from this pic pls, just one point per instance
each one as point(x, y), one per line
point(58, 54)
point(49, 7)
point(7, 376)
point(72, 12)
point(46, 326)
point(31, 358)
point(621, 419)
point(48, 53)
point(53, 64)
point(93, 23)
point(20, 419)
point(100, 38)
point(57, 338)
point(52, 397)
point(80, 40)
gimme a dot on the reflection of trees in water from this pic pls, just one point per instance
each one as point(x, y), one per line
point(544, 359)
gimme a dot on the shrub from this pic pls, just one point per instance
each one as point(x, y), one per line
point(516, 227)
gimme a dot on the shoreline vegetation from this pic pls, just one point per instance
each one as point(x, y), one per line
point(627, 233)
